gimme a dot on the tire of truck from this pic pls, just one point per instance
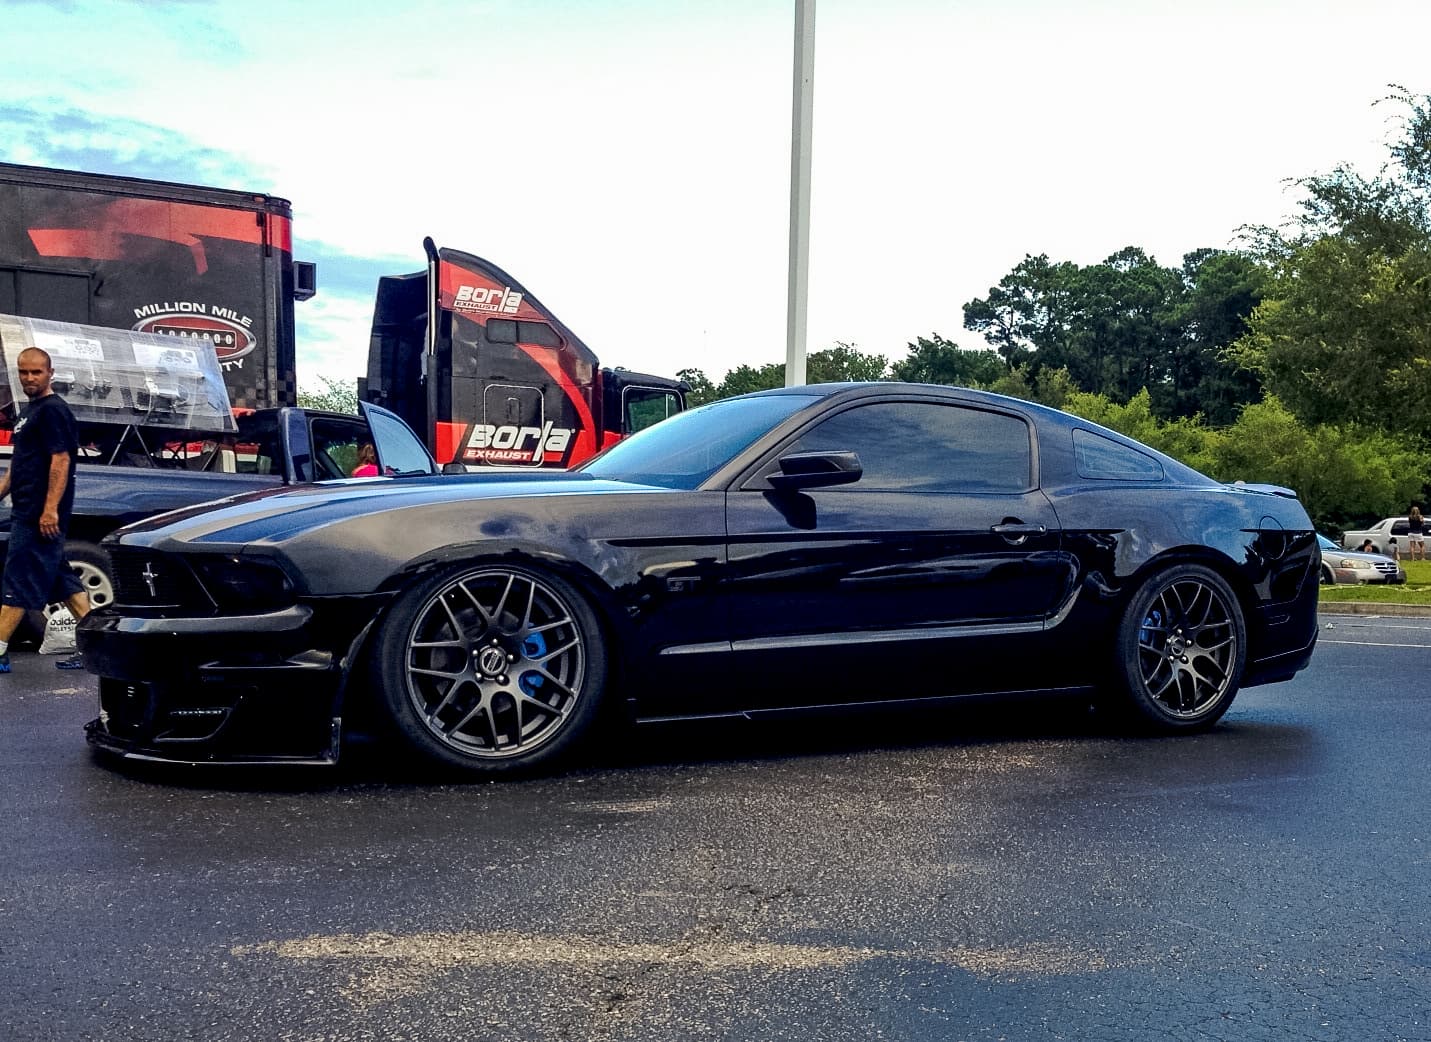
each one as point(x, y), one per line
point(93, 569)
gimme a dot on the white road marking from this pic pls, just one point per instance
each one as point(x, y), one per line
point(1371, 643)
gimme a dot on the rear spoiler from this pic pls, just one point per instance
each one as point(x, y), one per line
point(1254, 486)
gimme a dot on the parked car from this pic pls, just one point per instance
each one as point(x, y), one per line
point(1380, 534)
point(794, 549)
point(1348, 566)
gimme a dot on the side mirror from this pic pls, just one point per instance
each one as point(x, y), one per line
point(816, 470)
point(454, 468)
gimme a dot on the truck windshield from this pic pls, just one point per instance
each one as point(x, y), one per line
point(685, 450)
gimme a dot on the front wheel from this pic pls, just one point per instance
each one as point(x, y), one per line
point(491, 668)
point(1182, 646)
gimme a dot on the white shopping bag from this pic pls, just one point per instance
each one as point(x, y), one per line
point(59, 636)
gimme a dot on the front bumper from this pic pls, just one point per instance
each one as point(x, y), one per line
point(232, 690)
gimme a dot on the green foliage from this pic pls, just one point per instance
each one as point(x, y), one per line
point(1339, 473)
point(839, 364)
point(843, 363)
point(934, 360)
point(336, 396)
point(1128, 324)
point(745, 379)
point(1344, 333)
point(702, 390)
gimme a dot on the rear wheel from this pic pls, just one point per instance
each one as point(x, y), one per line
point(1182, 646)
point(491, 668)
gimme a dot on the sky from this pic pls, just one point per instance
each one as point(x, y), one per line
point(629, 160)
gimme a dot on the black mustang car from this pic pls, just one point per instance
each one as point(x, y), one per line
point(793, 549)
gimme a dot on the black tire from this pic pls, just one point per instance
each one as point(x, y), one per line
point(491, 668)
point(1328, 579)
point(1182, 647)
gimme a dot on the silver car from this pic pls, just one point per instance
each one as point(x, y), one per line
point(1350, 566)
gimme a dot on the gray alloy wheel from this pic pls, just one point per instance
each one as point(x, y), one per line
point(492, 668)
point(1183, 645)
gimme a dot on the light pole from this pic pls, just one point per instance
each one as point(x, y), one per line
point(801, 118)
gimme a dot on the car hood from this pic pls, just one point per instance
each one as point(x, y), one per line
point(275, 515)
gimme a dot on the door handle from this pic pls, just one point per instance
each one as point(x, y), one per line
point(1015, 532)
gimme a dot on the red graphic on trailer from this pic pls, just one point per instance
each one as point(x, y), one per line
point(178, 260)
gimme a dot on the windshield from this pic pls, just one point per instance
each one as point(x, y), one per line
point(1325, 543)
point(685, 450)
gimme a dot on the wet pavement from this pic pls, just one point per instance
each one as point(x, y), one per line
point(1024, 872)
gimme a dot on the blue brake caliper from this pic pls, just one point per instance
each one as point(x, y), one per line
point(534, 646)
point(1154, 618)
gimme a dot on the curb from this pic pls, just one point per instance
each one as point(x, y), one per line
point(1370, 608)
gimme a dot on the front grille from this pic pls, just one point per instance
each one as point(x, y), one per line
point(145, 579)
point(1388, 568)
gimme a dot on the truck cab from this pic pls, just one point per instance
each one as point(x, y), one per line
point(467, 356)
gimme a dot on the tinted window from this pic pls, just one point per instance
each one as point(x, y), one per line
point(644, 406)
point(688, 448)
point(399, 451)
point(1103, 459)
point(509, 331)
point(1400, 527)
point(925, 447)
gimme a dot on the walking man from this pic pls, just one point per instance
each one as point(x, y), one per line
point(41, 487)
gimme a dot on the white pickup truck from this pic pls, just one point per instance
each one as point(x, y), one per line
point(1381, 534)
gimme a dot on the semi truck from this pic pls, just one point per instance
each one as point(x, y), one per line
point(470, 358)
point(466, 355)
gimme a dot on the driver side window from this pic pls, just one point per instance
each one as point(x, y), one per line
point(335, 447)
point(927, 447)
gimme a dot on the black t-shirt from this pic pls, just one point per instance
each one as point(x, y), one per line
point(46, 427)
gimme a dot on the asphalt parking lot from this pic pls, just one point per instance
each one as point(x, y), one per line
point(968, 873)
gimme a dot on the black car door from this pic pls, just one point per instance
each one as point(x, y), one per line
point(944, 546)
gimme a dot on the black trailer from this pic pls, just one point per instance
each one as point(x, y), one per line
point(180, 260)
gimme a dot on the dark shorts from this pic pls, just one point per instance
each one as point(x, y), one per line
point(36, 572)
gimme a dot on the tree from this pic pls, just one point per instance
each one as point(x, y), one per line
point(1338, 472)
point(702, 390)
point(1344, 332)
point(843, 363)
point(838, 364)
point(1028, 311)
point(336, 396)
point(1221, 290)
point(1127, 324)
point(934, 360)
point(744, 378)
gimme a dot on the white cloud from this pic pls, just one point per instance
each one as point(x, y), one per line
point(629, 162)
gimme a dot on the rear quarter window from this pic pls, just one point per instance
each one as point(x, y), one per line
point(1102, 459)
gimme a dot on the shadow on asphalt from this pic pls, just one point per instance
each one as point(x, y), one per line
point(369, 762)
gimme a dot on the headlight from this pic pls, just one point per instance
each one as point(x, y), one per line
point(245, 584)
